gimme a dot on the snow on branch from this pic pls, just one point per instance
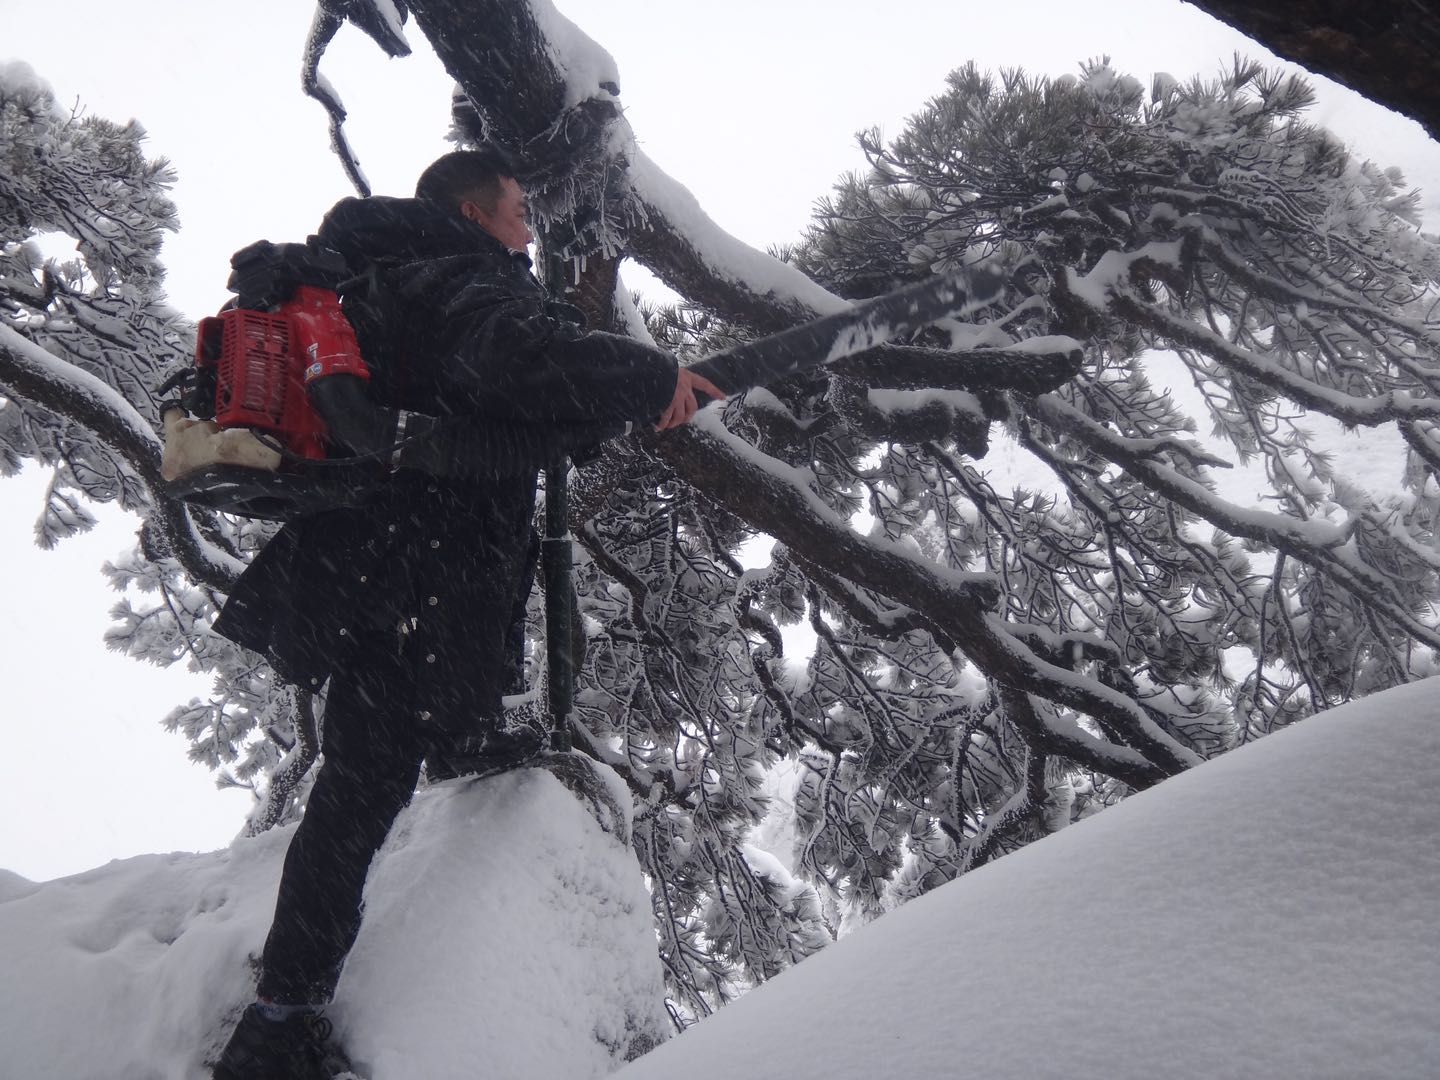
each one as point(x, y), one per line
point(698, 259)
point(789, 510)
point(384, 23)
point(1317, 298)
point(1368, 411)
point(913, 415)
point(504, 64)
point(27, 367)
point(326, 24)
point(1316, 542)
point(886, 621)
point(1148, 744)
point(380, 20)
point(582, 62)
point(776, 498)
point(35, 375)
point(1111, 288)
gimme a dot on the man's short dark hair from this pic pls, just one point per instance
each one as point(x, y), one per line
point(464, 174)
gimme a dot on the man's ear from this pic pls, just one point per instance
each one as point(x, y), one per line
point(470, 211)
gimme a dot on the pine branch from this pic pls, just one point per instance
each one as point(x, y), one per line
point(326, 24)
point(1318, 298)
point(728, 471)
point(1185, 333)
point(1316, 543)
point(286, 778)
point(35, 375)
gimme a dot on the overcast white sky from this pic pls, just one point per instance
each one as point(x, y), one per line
point(752, 105)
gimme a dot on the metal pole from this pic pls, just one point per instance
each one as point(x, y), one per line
point(556, 565)
point(556, 568)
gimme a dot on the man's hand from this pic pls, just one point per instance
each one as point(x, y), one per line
point(684, 406)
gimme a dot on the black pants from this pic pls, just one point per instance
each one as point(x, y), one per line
point(373, 746)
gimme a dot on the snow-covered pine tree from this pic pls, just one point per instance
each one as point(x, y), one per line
point(1209, 220)
point(83, 180)
point(85, 343)
point(988, 664)
point(1201, 229)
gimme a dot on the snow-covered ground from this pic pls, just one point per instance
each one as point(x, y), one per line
point(507, 935)
point(1271, 914)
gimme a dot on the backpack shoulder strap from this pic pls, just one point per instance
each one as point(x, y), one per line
point(374, 309)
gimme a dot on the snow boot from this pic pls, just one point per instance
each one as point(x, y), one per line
point(521, 738)
point(476, 757)
point(297, 1047)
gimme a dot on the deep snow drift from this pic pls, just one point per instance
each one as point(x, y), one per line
point(1274, 913)
point(507, 935)
point(1270, 914)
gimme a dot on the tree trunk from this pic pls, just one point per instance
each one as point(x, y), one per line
point(1386, 51)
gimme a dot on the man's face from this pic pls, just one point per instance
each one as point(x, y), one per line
point(507, 221)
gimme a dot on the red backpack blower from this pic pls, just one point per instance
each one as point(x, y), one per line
point(251, 443)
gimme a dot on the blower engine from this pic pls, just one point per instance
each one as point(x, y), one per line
point(243, 437)
point(261, 361)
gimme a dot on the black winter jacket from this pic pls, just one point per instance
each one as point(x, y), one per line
point(458, 327)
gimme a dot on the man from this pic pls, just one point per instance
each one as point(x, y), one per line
point(407, 604)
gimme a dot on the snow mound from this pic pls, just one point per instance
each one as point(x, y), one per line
point(508, 934)
point(1269, 914)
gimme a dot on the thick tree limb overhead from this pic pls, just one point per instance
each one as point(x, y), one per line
point(1385, 50)
point(497, 54)
point(659, 244)
point(510, 76)
point(1037, 367)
